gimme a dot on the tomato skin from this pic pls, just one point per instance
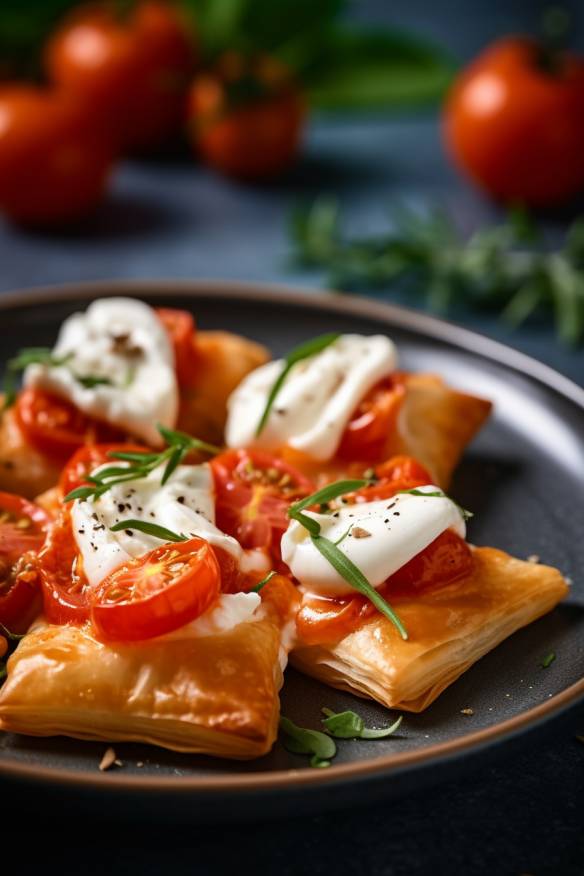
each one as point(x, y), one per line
point(19, 574)
point(251, 499)
point(86, 459)
point(64, 585)
point(132, 70)
point(393, 475)
point(56, 427)
point(54, 158)
point(246, 117)
point(162, 606)
point(180, 326)
point(517, 130)
point(367, 431)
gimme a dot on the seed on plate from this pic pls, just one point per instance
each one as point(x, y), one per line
point(108, 759)
point(467, 711)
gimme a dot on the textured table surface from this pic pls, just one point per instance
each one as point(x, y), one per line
point(524, 813)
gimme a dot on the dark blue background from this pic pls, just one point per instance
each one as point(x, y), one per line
point(525, 813)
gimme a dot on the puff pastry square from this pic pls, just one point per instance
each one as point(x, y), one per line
point(449, 629)
point(216, 694)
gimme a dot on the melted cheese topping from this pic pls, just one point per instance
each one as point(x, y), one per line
point(316, 401)
point(379, 537)
point(121, 341)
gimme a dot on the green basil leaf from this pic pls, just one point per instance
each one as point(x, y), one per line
point(377, 69)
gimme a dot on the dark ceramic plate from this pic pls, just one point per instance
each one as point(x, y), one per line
point(523, 477)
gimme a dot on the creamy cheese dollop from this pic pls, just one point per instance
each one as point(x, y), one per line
point(185, 504)
point(379, 537)
point(122, 341)
point(316, 401)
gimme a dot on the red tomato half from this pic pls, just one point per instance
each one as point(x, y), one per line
point(367, 432)
point(397, 473)
point(65, 587)
point(56, 427)
point(157, 593)
point(180, 327)
point(87, 459)
point(253, 493)
point(22, 533)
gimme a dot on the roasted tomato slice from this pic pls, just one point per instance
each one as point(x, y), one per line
point(87, 459)
point(56, 427)
point(397, 473)
point(446, 560)
point(180, 327)
point(64, 585)
point(157, 593)
point(22, 532)
point(253, 493)
point(372, 421)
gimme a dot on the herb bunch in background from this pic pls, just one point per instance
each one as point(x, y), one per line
point(508, 267)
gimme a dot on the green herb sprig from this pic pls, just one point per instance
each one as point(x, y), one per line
point(304, 351)
point(331, 552)
point(508, 268)
point(265, 580)
point(437, 494)
point(140, 464)
point(548, 660)
point(300, 740)
point(153, 529)
point(350, 725)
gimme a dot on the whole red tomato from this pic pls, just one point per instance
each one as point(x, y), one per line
point(133, 69)
point(246, 118)
point(54, 157)
point(514, 122)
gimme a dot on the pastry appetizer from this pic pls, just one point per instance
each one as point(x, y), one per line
point(396, 604)
point(156, 627)
point(117, 370)
point(339, 401)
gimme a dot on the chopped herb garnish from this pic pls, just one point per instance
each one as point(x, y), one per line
point(91, 380)
point(153, 529)
point(263, 582)
point(140, 465)
point(350, 725)
point(331, 552)
point(300, 740)
point(304, 351)
point(437, 494)
point(548, 660)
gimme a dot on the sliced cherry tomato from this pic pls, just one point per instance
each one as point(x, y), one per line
point(87, 459)
point(56, 427)
point(397, 473)
point(65, 587)
point(253, 493)
point(180, 326)
point(446, 560)
point(367, 431)
point(157, 593)
point(22, 532)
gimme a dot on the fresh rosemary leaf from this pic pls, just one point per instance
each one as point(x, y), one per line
point(153, 529)
point(133, 456)
point(263, 582)
point(300, 740)
point(437, 494)
point(350, 725)
point(343, 536)
point(355, 577)
point(91, 380)
point(304, 351)
point(81, 493)
point(174, 460)
point(328, 493)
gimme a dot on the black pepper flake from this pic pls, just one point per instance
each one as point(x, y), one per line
point(336, 514)
point(81, 531)
point(128, 532)
point(389, 507)
point(94, 516)
point(396, 513)
point(386, 520)
point(280, 411)
point(121, 507)
point(152, 514)
point(180, 499)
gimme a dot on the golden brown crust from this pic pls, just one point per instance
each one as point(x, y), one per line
point(216, 694)
point(224, 359)
point(449, 629)
point(23, 470)
point(436, 423)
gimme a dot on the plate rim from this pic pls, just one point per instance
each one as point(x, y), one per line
point(402, 317)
